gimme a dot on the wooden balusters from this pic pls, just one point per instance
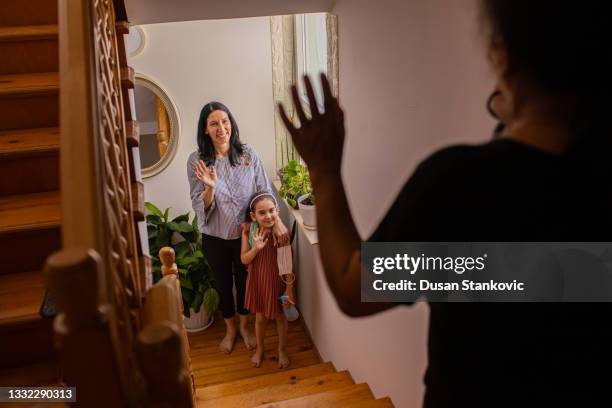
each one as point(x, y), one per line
point(83, 329)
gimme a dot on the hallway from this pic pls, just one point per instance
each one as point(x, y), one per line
point(230, 381)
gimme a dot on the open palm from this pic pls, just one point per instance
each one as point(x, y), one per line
point(207, 175)
point(260, 239)
point(320, 139)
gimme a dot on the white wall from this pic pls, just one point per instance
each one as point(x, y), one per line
point(196, 62)
point(156, 11)
point(413, 78)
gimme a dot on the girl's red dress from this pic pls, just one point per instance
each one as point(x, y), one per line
point(264, 285)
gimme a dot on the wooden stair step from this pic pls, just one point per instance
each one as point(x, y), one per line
point(29, 49)
point(24, 142)
point(29, 211)
point(243, 369)
point(29, 33)
point(31, 12)
point(29, 84)
point(33, 375)
point(29, 230)
point(289, 390)
point(347, 396)
point(379, 403)
point(25, 337)
point(263, 381)
point(29, 101)
point(20, 296)
point(31, 158)
point(26, 341)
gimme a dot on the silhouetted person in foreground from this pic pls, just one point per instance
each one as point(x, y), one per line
point(546, 179)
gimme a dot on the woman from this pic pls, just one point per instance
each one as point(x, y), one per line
point(546, 179)
point(223, 174)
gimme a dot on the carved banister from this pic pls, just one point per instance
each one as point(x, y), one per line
point(96, 187)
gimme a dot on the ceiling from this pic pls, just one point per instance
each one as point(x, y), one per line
point(163, 11)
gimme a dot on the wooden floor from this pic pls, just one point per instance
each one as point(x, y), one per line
point(210, 366)
point(230, 381)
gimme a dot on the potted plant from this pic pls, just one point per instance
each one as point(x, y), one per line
point(306, 204)
point(200, 299)
point(297, 190)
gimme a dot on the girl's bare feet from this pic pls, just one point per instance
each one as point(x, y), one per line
point(249, 340)
point(227, 344)
point(257, 358)
point(283, 358)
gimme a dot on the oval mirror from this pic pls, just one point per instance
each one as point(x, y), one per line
point(159, 126)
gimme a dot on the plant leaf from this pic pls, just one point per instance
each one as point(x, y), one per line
point(185, 283)
point(197, 302)
point(186, 260)
point(153, 209)
point(166, 214)
point(163, 238)
point(182, 249)
point(183, 226)
point(183, 217)
point(211, 300)
point(194, 223)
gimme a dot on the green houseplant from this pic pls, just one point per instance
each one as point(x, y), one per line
point(297, 190)
point(295, 183)
point(194, 272)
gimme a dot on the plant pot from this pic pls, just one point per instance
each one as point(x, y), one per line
point(198, 321)
point(308, 213)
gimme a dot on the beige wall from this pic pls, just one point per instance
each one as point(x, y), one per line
point(155, 11)
point(412, 79)
point(196, 62)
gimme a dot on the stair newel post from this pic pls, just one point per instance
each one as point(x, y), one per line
point(163, 306)
point(167, 258)
point(160, 350)
point(83, 334)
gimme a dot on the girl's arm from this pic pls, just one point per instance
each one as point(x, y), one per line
point(289, 288)
point(247, 254)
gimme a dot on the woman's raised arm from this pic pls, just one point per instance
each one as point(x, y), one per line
point(320, 141)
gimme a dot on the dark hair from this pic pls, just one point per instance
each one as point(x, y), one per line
point(205, 144)
point(560, 48)
point(253, 201)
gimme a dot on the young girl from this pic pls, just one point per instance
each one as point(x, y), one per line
point(264, 284)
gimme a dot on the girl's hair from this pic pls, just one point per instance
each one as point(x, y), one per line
point(256, 198)
point(205, 144)
point(561, 48)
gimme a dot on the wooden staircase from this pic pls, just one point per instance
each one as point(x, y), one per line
point(29, 186)
point(230, 381)
point(114, 332)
